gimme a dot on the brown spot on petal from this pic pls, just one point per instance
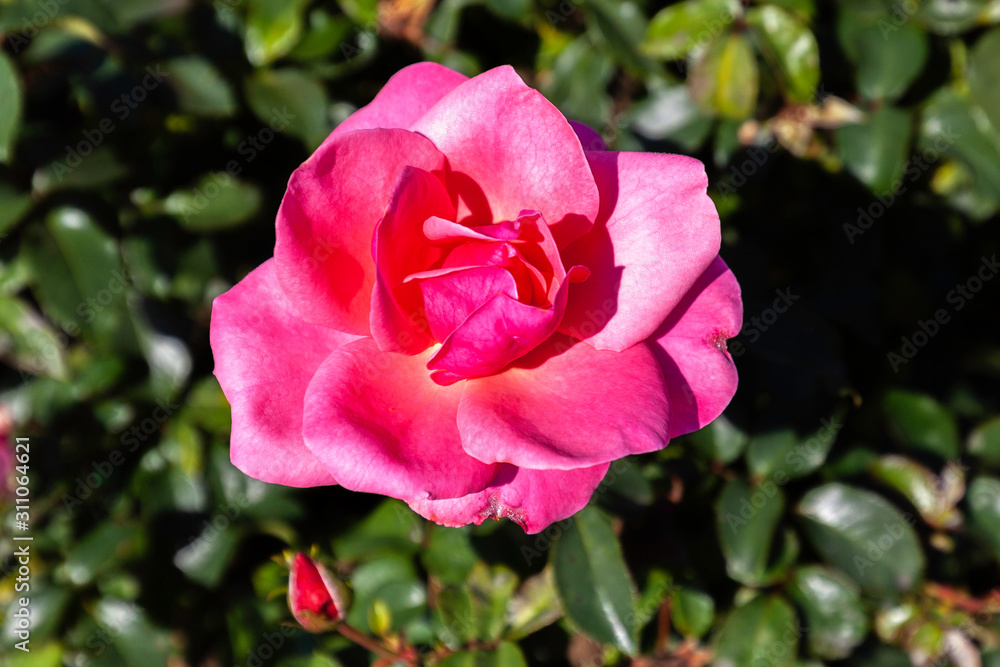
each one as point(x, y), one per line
point(496, 509)
point(718, 339)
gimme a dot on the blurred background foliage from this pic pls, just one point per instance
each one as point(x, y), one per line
point(844, 511)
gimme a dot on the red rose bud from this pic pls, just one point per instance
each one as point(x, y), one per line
point(317, 598)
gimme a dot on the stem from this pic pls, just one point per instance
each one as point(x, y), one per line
point(367, 642)
point(663, 627)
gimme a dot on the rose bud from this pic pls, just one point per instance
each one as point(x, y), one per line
point(316, 598)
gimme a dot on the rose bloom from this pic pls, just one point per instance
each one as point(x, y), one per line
point(475, 307)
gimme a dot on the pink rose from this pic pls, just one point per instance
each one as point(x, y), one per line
point(469, 311)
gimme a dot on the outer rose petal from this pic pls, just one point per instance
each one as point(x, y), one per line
point(562, 409)
point(380, 425)
point(265, 357)
point(511, 150)
point(657, 232)
point(323, 251)
point(400, 248)
point(691, 349)
point(406, 96)
point(535, 499)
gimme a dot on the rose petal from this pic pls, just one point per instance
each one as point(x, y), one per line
point(567, 406)
point(380, 425)
point(449, 298)
point(404, 98)
point(398, 321)
point(535, 499)
point(657, 232)
point(323, 250)
point(496, 334)
point(509, 149)
point(691, 349)
point(265, 357)
point(589, 138)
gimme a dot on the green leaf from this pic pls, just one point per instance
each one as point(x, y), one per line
point(951, 17)
point(534, 606)
point(724, 78)
point(491, 589)
point(10, 107)
point(273, 28)
point(692, 612)
point(28, 343)
point(720, 441)
point(625, 478)
point(765, 631)
point(592, 580)
point(73, 171)
point(619, 26)
point(670, 113)
point(79, 278)
point(767, 452)
point(393, 580)
point(951, 126)
point(218, 201)
point(46, 655)
point(887, 57)
point(207, 407)
point(984, 441)
point(984, 75)
point(580, 76)
point(788, 43)
point(677, 29)
point(746, 518)
point(935, 498)
point(290, 101)
point(13, 206)
point(100, 550)
point(876, 151)
point(391, 528)
point(507, 654)
point(803, 9)
point(200, 89)
point(448, 555)
point(865, 536)
point(135, 638)
point(206, 556)
point(833, 610)
point(325, 35)
point(47, 608)
point(918, 421)
point(984, 510)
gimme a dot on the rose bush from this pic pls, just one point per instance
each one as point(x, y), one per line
point(475, 307)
